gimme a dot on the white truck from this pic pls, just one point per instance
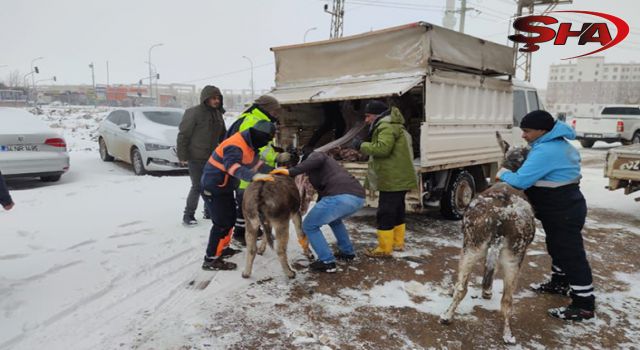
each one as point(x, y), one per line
point(619, 123)
point(454, 90)
point(622, 167)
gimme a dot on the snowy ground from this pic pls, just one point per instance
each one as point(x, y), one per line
point(100, 260)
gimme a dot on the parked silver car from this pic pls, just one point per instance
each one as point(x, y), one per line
point(29, 147)
point(144, 137)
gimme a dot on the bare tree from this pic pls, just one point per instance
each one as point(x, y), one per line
point(13, 79)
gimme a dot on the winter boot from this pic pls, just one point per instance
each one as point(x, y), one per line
point(205, 214)
point(385, 245)
point(189, 220)
point(571, 313)
point(229, 252)
point(344, 257)
point(320, 266)
point(217, 264)
point(398, 237)
point(554, 286)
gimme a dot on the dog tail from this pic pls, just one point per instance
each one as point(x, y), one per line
point(266, 228)
point(495, 245)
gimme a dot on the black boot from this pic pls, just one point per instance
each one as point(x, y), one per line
point(320, 266)
point(229, 252)
point(217, 264)
point(554, 286)
point(189, 220)
point(571, 313)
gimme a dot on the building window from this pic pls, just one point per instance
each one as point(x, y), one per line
point(571, 77)
point(606, 69)
point(615, 69)
point(580, 73)
point(596, 73)
point(614, 77)
point(605, 77)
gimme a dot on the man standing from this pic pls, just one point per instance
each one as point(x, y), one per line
point(550, 177)
point(235, 159)
point(390, 171)
point(201, 130)
point(5, 197)
point(266, 108)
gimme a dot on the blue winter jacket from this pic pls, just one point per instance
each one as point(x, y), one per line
point(552, 161)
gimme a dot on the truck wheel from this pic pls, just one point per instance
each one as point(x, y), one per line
point(587, 143)
point(458, 195)
point(137, 162)
point(636, 138)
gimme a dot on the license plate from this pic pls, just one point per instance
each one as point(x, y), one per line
point(593, 136)
point(18, 148)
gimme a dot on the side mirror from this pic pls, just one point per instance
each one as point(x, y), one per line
point(124, 127)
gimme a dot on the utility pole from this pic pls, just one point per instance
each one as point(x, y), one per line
point(337, 18)
point(107, 74)
point(93, 83)
point(150, 73)
point(251, 63)
point(522, 60)
point(463, 13)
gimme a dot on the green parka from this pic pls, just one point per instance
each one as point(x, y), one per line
point(390, 155)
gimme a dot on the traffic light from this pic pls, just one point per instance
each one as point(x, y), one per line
point(35, 69)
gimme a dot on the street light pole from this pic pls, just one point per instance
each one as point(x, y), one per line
point(251, 63)
point(33, 78)
point(93, 82)
point(304, 40)
point(150, 76)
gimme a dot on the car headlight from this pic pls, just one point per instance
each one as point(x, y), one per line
point(155, 146)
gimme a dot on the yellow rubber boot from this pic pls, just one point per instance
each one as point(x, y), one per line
point(398, 237)
point(385, 245)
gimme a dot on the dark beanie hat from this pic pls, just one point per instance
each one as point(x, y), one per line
point(261, 133)
point(375, 107)
point(538, 120)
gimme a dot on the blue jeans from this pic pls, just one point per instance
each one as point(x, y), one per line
point(331, 210)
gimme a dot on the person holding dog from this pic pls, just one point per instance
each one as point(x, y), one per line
point(235, 159)
point(264, 108)
point(550, 177)
point(339, 196)
point(391, 172)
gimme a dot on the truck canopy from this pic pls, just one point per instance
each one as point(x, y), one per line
point(381, 63)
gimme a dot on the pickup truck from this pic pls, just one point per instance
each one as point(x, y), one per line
point(614, 124)
point(622, 167)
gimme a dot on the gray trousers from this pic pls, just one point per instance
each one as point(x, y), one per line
point(195, 173)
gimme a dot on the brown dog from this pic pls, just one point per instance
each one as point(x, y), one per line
point(272, 204)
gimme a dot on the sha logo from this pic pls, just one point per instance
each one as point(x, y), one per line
point(594, 32)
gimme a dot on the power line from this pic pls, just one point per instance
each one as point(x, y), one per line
point(227, 73)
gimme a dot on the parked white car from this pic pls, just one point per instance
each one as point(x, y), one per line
point(30, 148)
point(144, 137)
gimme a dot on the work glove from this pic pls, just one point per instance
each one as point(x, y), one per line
point(283, 157)
point(356, 143)
point(279, 171)
point(262, 177)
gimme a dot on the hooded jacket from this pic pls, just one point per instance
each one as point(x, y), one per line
point(390, 155)
point(202, 128)
point(552, 161)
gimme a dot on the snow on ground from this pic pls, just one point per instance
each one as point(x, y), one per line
point(100, 260)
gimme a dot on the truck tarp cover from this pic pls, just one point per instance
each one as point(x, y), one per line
point(381, 63)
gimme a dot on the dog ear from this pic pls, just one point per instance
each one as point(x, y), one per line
point(504, 145)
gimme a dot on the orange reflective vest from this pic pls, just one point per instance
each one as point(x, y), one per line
point(248, 156)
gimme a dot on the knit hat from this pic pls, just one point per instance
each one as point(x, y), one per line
point(261, 133)
point(268, 103)
point(538, 120)
point(375, 107)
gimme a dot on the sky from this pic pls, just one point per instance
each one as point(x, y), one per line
point(203, 42)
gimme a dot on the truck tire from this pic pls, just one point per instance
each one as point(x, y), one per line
point(458, 194)
point(587, 143)
point(636, 138)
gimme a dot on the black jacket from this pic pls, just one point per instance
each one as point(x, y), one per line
point(201, 129)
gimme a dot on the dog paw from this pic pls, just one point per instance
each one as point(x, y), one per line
point(444, 320)
point(487, 295)
point(246, 275)
point(291, 274)
point(509, 339)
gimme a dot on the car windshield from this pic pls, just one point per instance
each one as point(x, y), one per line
point(170, 118)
